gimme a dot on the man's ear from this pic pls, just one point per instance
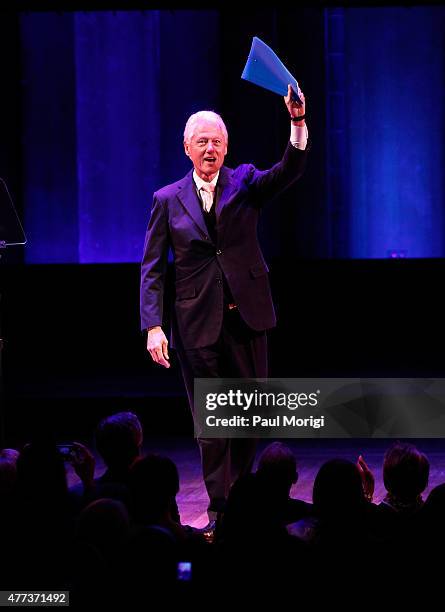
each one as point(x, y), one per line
point(186, 149)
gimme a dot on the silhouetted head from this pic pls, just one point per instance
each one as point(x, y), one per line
point(153, 484)
point(278, 467)
point(150, 565)
point(41, 472)
point(119, 439)
point(104, 523)
point(405, 472)
point(433, 511)
point(337, 488)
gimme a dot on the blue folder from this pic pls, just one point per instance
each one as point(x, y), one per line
point(264, 68)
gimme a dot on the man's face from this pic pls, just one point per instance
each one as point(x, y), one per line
point(207, 149)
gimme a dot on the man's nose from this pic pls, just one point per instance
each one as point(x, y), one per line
point(210, 147)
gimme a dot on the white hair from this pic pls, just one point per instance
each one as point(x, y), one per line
point(209, 116)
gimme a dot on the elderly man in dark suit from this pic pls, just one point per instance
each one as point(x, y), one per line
point(223, 304)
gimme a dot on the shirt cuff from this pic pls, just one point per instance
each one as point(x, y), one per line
point(299, 136)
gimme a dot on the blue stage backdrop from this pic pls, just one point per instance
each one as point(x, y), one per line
point(385, 117)
point(98, 87)
point(106, 96)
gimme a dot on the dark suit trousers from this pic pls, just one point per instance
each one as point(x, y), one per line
point(240, 352)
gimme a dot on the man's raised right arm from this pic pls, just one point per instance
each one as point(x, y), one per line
point(153, 273)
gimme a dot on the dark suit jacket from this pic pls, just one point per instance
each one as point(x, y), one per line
point(177, 221)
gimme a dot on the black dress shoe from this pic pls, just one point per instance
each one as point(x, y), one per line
point(209, 531)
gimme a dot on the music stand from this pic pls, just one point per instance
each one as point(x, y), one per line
point(11, 234)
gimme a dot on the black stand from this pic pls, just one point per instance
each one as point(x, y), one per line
point(11, 234)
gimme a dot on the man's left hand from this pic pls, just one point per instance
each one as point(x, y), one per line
point(295, 110)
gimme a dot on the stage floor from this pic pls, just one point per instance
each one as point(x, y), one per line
point(310, 455)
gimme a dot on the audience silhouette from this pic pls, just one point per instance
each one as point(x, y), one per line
point(117, 539)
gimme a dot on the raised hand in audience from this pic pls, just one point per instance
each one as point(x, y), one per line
point(368, 479)
point(84, 463)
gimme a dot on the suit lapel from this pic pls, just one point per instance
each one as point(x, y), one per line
point(225, 190)
point(189, 199)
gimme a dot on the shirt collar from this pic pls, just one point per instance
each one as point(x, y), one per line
point(199, 182)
